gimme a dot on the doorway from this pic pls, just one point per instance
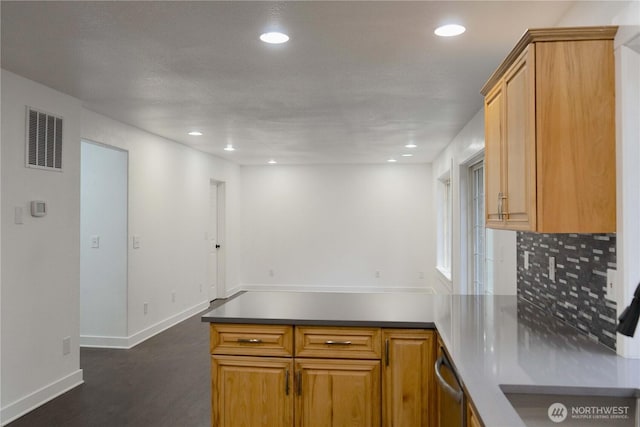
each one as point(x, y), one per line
point(103, 244)
point(215, 241)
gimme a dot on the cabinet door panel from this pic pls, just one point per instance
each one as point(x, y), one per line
point(519, 184)
point(251, 391)
point(408, 391)
point(338, 393)
point(576, 136)
point(492, 155)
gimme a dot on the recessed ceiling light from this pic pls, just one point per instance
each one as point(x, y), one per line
point(195, 133)
point(229, 147)
point(392, 160)
point(274, 37)
point(411, 145)
point(272, 162)
point(407, 155)
point(450, 30)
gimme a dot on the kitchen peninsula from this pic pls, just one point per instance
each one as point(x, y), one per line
point(492, 341)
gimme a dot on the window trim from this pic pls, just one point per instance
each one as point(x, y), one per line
point(444, 249)
point(472, 167)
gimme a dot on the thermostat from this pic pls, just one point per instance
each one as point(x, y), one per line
point(38, 208)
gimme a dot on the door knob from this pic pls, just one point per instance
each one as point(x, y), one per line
point(217, 246)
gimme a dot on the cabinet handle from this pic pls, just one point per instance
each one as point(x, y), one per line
point(249, 341)
point(501, 214)
point(386, 352)
point(299, 383)
point(505, 215)
point(331, 342)
point(286, 382)
point(456, 394)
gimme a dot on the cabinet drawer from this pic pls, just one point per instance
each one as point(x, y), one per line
point(339, 343)
point(251, 340)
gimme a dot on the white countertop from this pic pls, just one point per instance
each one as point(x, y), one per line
point(492, 341)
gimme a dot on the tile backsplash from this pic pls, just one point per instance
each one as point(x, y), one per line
point(577, 295)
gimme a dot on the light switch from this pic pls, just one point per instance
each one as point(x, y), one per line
point(95, 242)
point(18, 215)
point(136, 242)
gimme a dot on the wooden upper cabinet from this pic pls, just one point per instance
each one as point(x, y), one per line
point(493, 156)
point(549, 112)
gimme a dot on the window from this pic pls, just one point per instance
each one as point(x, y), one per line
point(478, 236)
point(444, 225)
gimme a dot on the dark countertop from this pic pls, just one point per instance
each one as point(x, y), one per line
point(492, 340)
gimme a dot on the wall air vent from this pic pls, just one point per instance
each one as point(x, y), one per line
point(44, 140)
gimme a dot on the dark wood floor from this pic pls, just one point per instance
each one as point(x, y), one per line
point(164, 381)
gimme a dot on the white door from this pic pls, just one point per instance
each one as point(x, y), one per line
point(212, 249)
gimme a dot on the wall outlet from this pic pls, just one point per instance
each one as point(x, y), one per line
point(136, 242)
point(611, 283)
point(377, 274)
point(271, 273)
point(526, 260)
point(145, 307)
point(95, 242)
point(552, 269)
point(66, 345)
point(173, 296)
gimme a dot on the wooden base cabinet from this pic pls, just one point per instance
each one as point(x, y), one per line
point(331, 377)
point(473, 420)
point(550, 154)
point(251, 391)
point(408, 391)
point(337, 393)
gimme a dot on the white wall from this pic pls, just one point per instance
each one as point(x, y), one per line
point(40, 258)
point(501, 252)
point(103, 215)
point(333, 227)
point(168, 211)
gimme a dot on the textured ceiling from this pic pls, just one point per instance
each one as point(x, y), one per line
point(356, 82)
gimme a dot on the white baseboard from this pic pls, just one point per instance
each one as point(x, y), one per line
point(231, 292)
point(310, 288)
point(135, 339)
point(93, 341)
point(28, 403)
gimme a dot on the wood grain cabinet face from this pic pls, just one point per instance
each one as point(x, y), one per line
point(337, 393)
point(338, 343)
point(251, 391)
point(549, 113)
point(494, 124)
point(331, 377)
point(408, 391)
point(472, 418)
point(251, 340)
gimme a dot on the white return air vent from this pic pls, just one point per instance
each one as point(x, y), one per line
point(44, 140)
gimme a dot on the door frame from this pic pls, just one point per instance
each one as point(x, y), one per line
point(86, 341)
point(220, 240)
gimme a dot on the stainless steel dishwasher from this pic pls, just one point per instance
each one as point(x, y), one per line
point(451, 408)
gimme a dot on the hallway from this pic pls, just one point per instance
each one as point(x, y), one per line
point(163, 381)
